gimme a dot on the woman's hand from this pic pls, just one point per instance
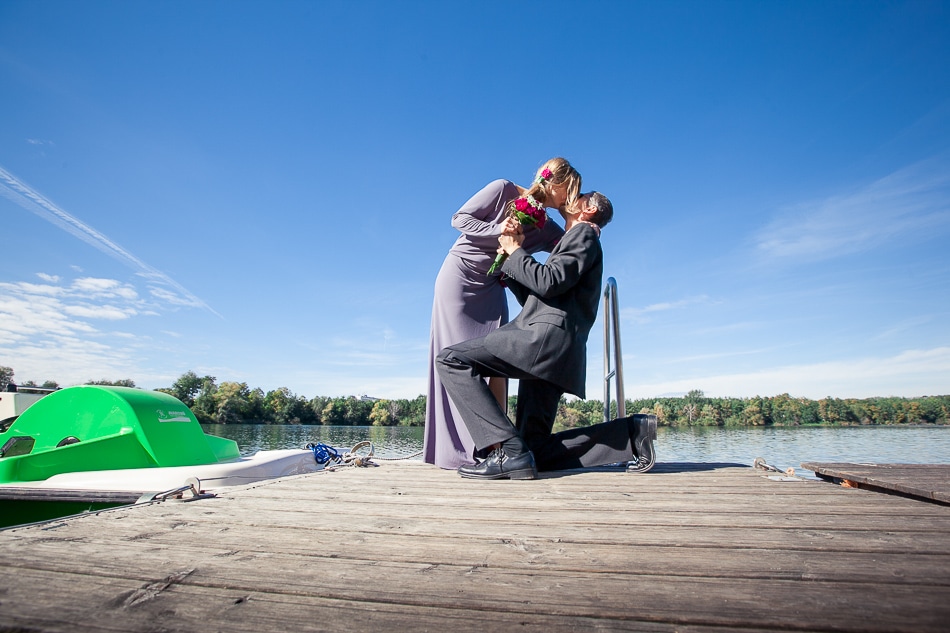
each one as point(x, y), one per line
point(508, 244)
point(511, 226)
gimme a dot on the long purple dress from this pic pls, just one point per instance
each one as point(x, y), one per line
point(469, 304)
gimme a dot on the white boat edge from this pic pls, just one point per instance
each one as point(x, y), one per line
point(260, 466)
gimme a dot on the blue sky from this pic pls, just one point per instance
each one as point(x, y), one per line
point(261, 191)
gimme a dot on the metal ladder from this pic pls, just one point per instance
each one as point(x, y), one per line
point(612, 333)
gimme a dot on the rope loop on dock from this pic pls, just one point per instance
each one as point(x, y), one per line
point(329, 457)
point(353, 458)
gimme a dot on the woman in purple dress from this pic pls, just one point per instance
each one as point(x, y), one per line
point(470, 303)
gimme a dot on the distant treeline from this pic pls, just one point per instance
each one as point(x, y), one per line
point(232, 402)
point(695, 409)
point(236, 403)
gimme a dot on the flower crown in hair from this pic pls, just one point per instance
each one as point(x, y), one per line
point(546, 175)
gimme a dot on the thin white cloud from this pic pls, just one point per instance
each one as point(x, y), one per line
point(23, 195)
point(910, 204)
point(96, 285)
point(27, 288)
point(912, 373)
point(718, 356)
point(640, 314)
point(104, 288)
point(107, 312)
point(50, 278)
point(903, 326)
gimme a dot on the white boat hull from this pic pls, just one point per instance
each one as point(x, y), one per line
point(246, 470)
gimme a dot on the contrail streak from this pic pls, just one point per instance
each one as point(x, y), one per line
point(22, 194)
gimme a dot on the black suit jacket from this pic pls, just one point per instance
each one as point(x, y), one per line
point(559, 300)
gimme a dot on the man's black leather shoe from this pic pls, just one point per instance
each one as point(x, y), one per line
point(499, 466)
point(642, 434)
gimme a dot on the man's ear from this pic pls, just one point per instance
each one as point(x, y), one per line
point(587, 214)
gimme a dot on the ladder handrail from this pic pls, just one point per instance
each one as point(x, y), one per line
point(612, 327)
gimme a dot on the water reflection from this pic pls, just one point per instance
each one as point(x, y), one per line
point(790, 446)
point(389, 442)
point(780, 446)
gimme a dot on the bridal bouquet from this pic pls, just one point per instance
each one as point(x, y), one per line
point(527, 211)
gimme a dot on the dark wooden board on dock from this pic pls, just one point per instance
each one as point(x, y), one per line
point(406, 546)
point(923, 481)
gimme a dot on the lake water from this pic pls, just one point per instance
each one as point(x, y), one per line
point(779, 446)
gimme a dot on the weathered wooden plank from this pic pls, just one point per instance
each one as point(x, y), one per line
point(109, 605)
point(455, 517)
point(653, 507)
point(923, 481)
point(300, 526)
point(513, 595)
point(437, 503)
point(517, 554)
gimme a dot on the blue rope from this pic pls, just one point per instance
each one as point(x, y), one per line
point(324, 454)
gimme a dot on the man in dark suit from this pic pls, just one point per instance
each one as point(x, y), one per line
point(545, 348)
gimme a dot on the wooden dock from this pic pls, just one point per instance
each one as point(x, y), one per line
point(405, 546)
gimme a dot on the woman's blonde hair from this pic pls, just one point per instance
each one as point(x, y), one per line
point(561, 171)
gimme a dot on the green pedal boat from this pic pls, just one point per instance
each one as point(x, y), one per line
point(91, 447)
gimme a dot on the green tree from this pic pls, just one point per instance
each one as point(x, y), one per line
point(52, 384)
point(334, 413)
point(122, 382)
point(358, 410)
point(256, 410)
point(231, 402)
point(753, 414)
point(784, 410)
point(413, 412)
point(205, 408)
point(187, 387)
point(283, 407)
point(380, 415)
point(661, 413)
point(6, 377)
point(568, 417)
point(317, 405)
point(709, 415)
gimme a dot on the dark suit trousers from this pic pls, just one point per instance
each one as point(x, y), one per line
point(463, 369)
point(595, 445)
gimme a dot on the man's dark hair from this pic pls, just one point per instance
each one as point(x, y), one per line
point(605, 210)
